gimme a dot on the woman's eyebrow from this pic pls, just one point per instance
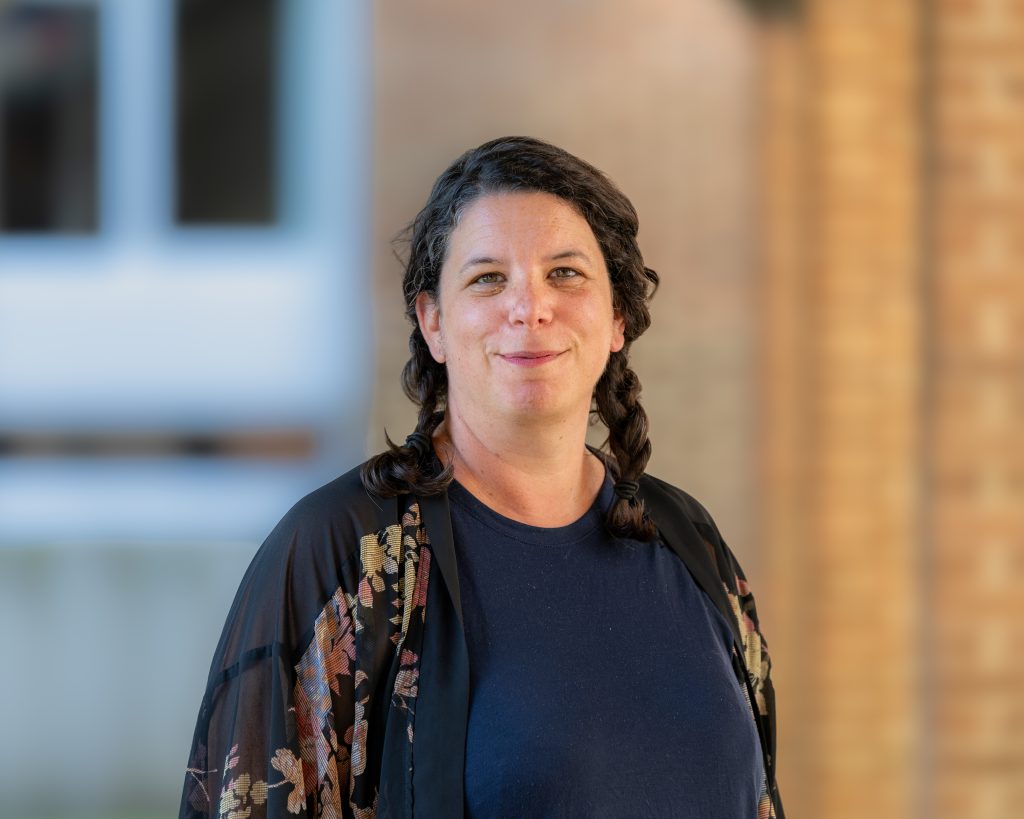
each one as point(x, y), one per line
point(479, 260)
point(570, 254)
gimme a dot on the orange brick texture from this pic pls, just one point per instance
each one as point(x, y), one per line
point(891, 371)
point(977, 398)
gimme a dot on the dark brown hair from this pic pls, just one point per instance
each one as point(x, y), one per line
point(507, 165)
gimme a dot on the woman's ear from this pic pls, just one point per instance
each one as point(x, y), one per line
point(618, 332)
point(428, 314)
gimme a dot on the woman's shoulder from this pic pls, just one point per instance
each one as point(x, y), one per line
point(314, 551)
point(685, 523)
point(665, 497)
point(342, 505)
point(322, 532)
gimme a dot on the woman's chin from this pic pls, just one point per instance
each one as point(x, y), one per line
point(535, 404)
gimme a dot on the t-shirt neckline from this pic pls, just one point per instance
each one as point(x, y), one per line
point(541, 535)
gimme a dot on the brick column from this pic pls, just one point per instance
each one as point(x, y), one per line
point(977, 398)
point(781, 293)
point(842, 427)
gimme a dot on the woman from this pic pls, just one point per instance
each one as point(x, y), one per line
point(494, 619)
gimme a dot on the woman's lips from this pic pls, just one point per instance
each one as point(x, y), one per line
point(527, 358)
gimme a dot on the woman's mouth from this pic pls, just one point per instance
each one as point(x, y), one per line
point(530, 358)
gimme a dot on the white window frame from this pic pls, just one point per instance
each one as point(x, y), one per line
point(149, 325)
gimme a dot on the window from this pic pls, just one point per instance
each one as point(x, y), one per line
point(226, 71)
point(48, 119)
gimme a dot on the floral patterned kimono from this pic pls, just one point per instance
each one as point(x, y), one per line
point(340, 685)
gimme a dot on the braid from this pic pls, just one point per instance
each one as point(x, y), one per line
point(618, 406)
point(409, 467)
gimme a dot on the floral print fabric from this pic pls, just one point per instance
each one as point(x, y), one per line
point(315, 746)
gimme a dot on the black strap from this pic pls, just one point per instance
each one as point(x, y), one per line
point(438, 520)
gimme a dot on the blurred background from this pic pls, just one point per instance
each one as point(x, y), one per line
point(201, 320)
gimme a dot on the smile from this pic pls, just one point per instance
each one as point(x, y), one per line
point(525, 358)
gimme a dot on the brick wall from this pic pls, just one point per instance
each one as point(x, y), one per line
point(842, 268)
point(976, 511)
point(892, 164)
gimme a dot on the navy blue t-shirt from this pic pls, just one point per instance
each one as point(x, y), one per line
point(600, 676)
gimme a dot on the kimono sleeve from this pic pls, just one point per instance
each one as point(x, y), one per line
point(274, 735)
point(756, 657)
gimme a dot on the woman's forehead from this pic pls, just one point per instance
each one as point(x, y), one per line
point(498, 224)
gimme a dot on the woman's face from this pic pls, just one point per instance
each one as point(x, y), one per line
point(523, 320)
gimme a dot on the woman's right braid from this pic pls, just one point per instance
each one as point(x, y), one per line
point(618, 405)
point(410, 467)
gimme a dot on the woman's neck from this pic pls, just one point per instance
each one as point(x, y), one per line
point(538, 474)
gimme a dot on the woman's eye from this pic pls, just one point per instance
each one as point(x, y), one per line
point(564, 273)
point(488, 278)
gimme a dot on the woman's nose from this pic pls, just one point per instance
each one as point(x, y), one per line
point(531, 302)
